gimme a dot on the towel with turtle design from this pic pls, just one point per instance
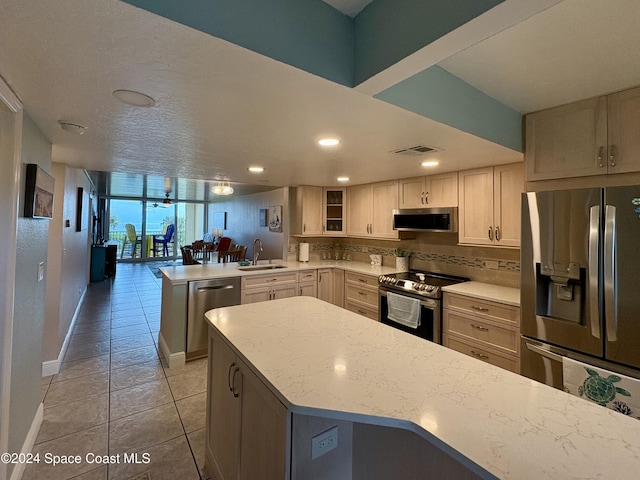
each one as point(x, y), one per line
point(609, 389)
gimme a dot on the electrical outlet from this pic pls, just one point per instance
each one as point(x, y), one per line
point(324, 442)
point(491, 264)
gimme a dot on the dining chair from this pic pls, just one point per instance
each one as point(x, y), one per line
point(187, 256)
point(131, 238)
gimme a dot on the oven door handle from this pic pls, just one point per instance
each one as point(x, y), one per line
point(429, 304)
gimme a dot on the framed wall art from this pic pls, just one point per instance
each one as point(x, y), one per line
point(38, 195)
point(275, 218)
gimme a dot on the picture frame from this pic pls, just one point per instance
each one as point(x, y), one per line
point(38, 195)
point(275, 218)
point(263, 217)
point(82, 210)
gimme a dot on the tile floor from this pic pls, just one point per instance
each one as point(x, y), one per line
point(113, 394)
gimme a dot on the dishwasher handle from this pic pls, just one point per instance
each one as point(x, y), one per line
point(216, 287)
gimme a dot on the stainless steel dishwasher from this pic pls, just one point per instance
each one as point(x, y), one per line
point(203, 296)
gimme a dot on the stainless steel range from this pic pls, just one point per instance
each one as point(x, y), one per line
point(415, 298)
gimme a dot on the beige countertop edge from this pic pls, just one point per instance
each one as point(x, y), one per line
point(486, 291)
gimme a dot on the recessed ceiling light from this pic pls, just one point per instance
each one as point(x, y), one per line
point(72, 127)
point(256, 169)
point(329, 142)
point(135, 99)
point(343, 179)
point(430, 163)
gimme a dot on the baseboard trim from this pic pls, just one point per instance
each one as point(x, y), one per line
point(174, 360)
point(52, 367)
point(29, 442)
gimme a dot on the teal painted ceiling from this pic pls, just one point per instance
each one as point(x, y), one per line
point(314, 37)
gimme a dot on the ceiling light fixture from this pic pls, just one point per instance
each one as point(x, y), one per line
point(134, 99)
point(256, 169)
point(430, 163)
point(343, 179)
point(72, 127)
point(222, 188)
point(329, 142)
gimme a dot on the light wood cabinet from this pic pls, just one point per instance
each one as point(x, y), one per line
point(430, 191)
point(261, 288)
point(489, 205)
point(325, 284)
point(591, 137)
point(307, 211)
point(370, 210)
point(308, 283)
point(361, 294)
point(489, 331)
point(246, 425)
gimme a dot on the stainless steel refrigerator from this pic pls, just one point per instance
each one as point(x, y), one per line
point(580, 288)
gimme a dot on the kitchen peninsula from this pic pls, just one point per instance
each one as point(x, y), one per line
point(404, 408)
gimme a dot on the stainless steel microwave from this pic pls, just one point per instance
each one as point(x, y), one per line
point(443, 219)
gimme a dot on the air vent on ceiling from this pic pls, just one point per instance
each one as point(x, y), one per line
point(415, 151)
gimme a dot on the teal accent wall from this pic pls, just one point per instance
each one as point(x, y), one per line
point(307, 34)
point(387, 31)
point(437, 94)
point(29, 304)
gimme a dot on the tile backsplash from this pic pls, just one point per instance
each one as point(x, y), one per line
point(435, 252)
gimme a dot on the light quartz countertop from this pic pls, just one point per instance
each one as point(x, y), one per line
point(188, 273)
point(486, 291)
point(322, 360)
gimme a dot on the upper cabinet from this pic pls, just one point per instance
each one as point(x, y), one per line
point(333, 211)
point(489, 201)
point(370, 210)
point(590, 137)
point(306, 211)
point(431, 191)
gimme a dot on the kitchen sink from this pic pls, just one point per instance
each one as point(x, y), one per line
point(252, 268)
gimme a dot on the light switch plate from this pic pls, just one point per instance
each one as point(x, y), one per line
point(41, 271)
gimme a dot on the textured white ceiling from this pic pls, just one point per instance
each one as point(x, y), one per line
point(220, 107)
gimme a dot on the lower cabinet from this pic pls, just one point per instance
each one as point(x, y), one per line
point(261, 288)
point(361, 294)
point(246, 434)
point(486, 330)
point(308, 283)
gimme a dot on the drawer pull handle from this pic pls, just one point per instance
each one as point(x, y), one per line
point(272, 280)
point(362, 294)
point(479, 309)
point(361, 312)
point(479, 355)
point(362, 280)
point(478, 327)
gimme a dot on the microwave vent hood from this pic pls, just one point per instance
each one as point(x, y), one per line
point(443, 219)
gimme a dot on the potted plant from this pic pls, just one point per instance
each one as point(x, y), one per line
point(402, 259)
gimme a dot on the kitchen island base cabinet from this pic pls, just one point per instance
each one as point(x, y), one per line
point(246, 435)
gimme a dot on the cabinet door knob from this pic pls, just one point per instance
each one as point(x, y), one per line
point(426, 198)
point(422, 198)
point(612, 155)
point(229, 378)
point(233, 382)
point(600, 155)
point(497, 233)
point(490, 234)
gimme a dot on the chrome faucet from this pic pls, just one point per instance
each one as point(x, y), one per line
point(256, 252)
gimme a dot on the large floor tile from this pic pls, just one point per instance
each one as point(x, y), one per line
point(76, 389)
point(67, 418)
point(138, 398)
point(130, 330)
point(192, 411)
point(88, 337)
point(168, 461)
point(196, 443)
point(133, 357)
point(97, 474)
point(128, 321)
point(199, 365)
point(80, 368)
point(93, 440)
point(122, 344)
point(136, 375)
point(188, 384)
point(92, 327)
point(145, 429)
point(87, 350)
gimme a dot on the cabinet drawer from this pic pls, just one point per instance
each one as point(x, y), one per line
point(484, 354)
point(308, 276)
point(500, 338)
point(269, 279)
point(371, 313)
point(362, 295)
point(500, 312)
point(361, 279)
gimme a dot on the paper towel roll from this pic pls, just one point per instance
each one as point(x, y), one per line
point(304, 252)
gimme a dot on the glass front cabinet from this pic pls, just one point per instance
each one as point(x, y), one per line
point(333, 211)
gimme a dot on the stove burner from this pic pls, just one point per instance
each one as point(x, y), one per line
point(426, 284)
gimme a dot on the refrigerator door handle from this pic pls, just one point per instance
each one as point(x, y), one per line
point(610, 274)
point(594, 235)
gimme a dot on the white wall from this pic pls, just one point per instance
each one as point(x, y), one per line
point(69, 257)
point(243, 216)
